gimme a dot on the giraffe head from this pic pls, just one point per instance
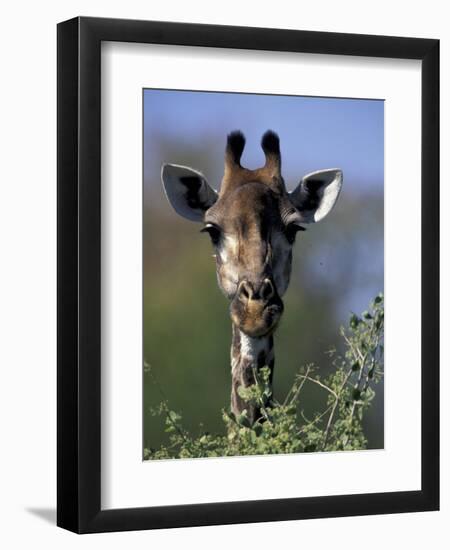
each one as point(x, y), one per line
point(252, 223)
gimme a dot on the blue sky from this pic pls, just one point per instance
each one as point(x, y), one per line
point(315, 132)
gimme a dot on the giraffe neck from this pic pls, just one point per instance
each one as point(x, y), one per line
point(247, 355)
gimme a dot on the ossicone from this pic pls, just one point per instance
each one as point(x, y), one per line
point(270, 144)
point(235, 147)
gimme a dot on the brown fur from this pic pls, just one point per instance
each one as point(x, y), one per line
point(251, 212)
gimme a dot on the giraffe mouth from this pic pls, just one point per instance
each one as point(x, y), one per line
point(257, 318)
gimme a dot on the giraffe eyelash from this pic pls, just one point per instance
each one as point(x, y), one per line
point(213, 231)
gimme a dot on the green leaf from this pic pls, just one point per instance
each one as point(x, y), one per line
point(356, 394)
point(354, 321)
point(257, 428)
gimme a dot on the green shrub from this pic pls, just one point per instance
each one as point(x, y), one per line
point(283, 427)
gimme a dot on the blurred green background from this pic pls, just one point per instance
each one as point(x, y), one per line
point(338, 263)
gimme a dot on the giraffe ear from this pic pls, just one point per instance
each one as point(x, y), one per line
point(317, 193)
point(187, 191)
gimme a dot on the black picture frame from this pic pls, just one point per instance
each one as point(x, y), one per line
point(79, 280)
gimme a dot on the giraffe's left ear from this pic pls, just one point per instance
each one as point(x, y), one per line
point(317, 193)
point(187, 191)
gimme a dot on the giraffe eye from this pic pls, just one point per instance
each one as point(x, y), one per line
point(291, 231)
point(214, 233)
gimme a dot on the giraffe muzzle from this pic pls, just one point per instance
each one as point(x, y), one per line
point(256, 308)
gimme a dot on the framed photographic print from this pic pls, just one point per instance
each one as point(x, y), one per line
point(238, 208)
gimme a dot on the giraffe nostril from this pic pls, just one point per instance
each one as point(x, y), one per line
point(245, 291)
point(249, 292)
point(267, 290)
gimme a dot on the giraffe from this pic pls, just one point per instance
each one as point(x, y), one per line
point(252, 223)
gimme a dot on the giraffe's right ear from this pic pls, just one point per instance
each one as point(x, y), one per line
point(187, 191)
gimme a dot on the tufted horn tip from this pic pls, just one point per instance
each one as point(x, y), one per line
point(235, 146)
point(270, 143)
